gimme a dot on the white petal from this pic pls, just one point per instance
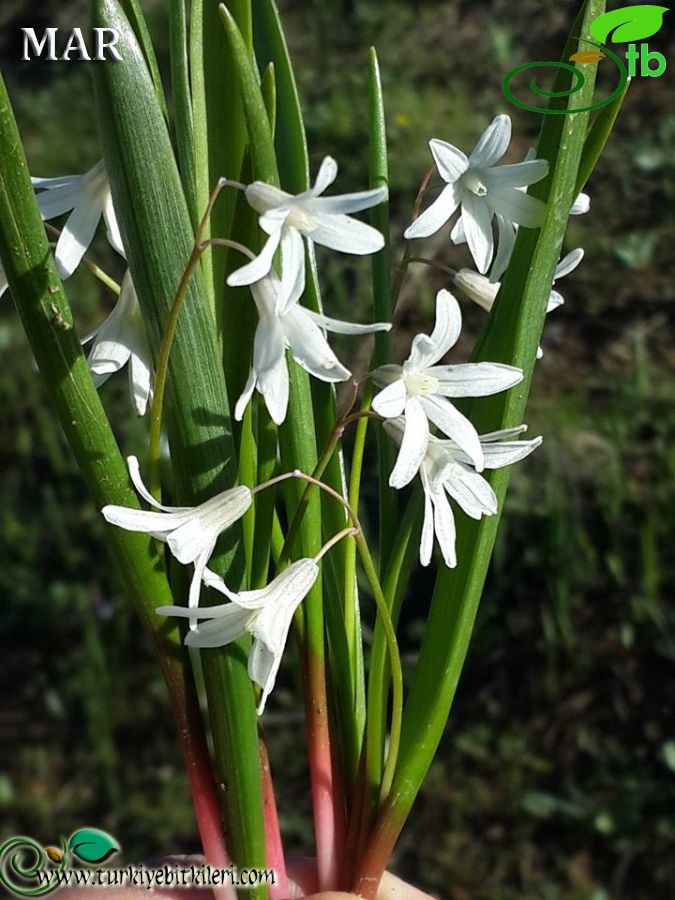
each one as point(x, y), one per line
point(310, 348)
point(568, 263)
point(472, 492)
point(477, 288)
point(435, 216)
point(265, 197)
point(337, 326)
point(262, 668)
point(76, 237)
point(517, 207)
point(581, 205)
point(507, 232)
point(520, 174)
point(196, 583)
point(555, 299)
point(292, 285)
point(207, 522)
point(58, 200)
point(346, 235)
point(245, 396)
point(476, 216)
point(350, 203)
point(286, 590)
point(155, 523)
point(137, 481)
point(413, 446)
point(423, 353)
point(499, 455)
point(450, 161)
point(458, 235)
point(112, 225)
point(444, 527)
point(269, 364)
point(475, 379)
point(390, 402)
point(427, 537)
point(325, 177)
point(40, 183)
point(492, 144)
point(221, 631)
point(140, 378)
point(3, 281)
point(448, 322)
point(456, 426)
point(258, 267)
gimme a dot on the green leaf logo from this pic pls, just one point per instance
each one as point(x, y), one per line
point(92, 846)
point(631, 23)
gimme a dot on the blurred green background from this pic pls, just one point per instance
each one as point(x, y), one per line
point(556, 777)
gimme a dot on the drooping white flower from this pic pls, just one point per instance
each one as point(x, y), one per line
point(420, 388)
point(482, 189)
point(191, 532)
point(447, 471)
point(120, 340)
point(265, 614)
point(284, 323)
point(89, 198)
point(323, 220)
point(484, 292)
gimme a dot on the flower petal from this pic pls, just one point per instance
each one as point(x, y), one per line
point(568, 263)
point(555, 299)
point(448, 324)
point(76, 236)
point(206, 522)
point(112, 226)
point(142, 491)
point(245, 396)
point(507, 232)
point(456, 426)
point(325, 176)
point(435, 216)
point(517, 207)
point(310, 348)
point(581, 205)
point(492, 144)
point(337, 326)
point(476, 216)
point(505, 454)
point(390, 402)
point(427, 537)
point(269, 363)
point(292, 285)
point(349, 203)
point(413, 446)
point(475, 379)
point(345, 234)
point(451, 162)
point(444, 527)
point(472, 492)
point(520, 174)
point(259, 267)
point(228, 627)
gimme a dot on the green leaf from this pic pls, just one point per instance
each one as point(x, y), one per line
point(92, 846)
point(630, 23)
point(597, 138)
point(134, 13)
point(158, 237)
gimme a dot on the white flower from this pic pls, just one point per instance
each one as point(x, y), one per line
point(447, 471)
point(581, 205)
point(190, 532)
point(265, 614)
point(285, 217)
point(89, 198)
point(420, 388)
point(122, 339)
point(482, 189)
point(284, 323)
point(484, 292)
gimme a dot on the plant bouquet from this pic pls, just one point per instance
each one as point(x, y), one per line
point(238, 526)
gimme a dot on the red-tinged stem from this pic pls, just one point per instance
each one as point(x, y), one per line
point(329, 824)
point(375, 859)
point(188, 718)
point(274, 850)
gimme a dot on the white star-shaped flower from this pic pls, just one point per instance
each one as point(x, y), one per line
point(482, 189)
point(264, 614)
point(323, 220)
point(89, 198)
point(447, 471)
point(122, 339)
point(420, 388)
point(191, 532)
point(484, 292)
point(284, 323)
